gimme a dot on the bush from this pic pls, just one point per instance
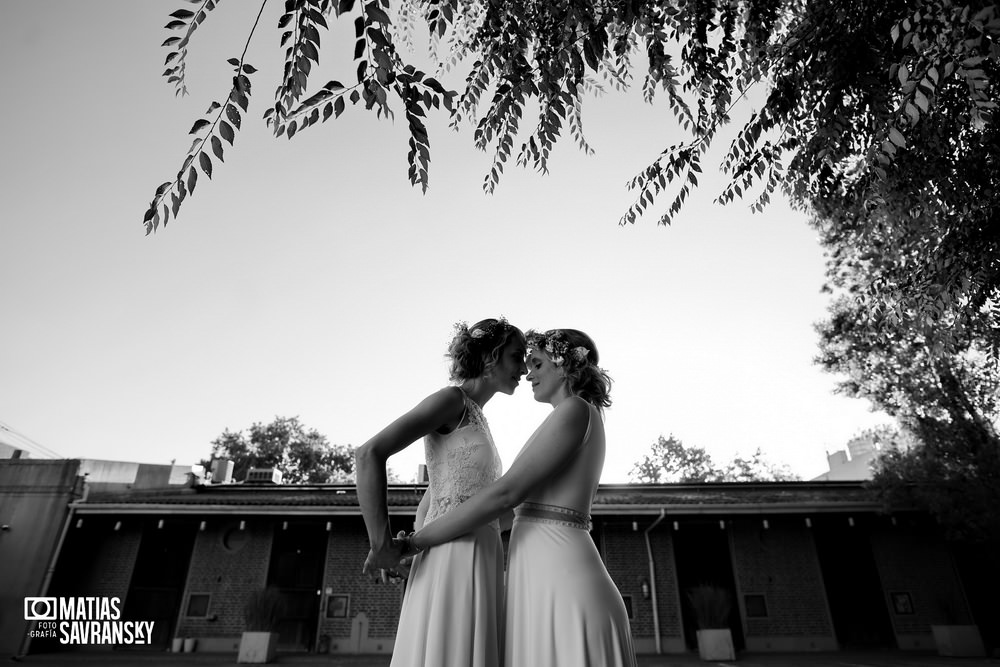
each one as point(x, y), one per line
point(711, 605)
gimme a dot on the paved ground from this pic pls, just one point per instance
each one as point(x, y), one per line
point(840, 659)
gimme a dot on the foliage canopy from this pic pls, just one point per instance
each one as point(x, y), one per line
point(303, 455)
point(946, 396)
point(878, 117)
point(669, 460)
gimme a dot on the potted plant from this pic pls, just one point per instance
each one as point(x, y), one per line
point(712, 606)
point(261, 613)
point(953, 637)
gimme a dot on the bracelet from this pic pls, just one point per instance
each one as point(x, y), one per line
point(410, 546)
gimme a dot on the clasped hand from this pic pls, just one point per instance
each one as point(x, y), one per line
point(391, 563)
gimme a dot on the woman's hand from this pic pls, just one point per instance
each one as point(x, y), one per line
point(389, 562)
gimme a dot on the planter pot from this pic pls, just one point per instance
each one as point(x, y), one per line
point(190, 644)
point(259, 647)
point(958, 640)
point(716, 644)
point(177, 645)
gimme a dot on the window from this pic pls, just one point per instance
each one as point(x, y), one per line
point(198, 605)
point(338, 606)
point(756, 605)
point(902, 603)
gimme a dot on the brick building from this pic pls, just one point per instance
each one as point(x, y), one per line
point(811, 566)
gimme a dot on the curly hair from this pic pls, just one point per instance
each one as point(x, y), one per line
point(474, 350)
point(576, 353)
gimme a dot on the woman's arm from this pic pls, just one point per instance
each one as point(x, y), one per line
point(554, 443)
point(438, 409)
point(425, 502)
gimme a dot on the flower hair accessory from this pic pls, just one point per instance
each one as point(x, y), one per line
point(499, 325)
point(557, 348)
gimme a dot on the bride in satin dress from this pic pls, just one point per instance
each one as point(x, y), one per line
point(562, 608)
point(453, 604)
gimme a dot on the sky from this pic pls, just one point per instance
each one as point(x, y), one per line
point(309, 279)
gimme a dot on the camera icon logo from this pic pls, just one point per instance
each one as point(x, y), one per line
point(40, 609)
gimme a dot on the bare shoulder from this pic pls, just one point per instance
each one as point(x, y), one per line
point(451, 397)
point(574, 408)
point(446, 405)
point(449, 401)
point(573, 413)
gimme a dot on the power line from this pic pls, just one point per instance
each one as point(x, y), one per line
point(28, 443)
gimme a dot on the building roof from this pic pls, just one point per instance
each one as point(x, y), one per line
point(629, 499)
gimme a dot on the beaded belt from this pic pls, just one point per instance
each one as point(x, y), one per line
point(563, 516)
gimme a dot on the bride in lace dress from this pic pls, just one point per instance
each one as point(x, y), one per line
point(453, 604)
point(562, 608)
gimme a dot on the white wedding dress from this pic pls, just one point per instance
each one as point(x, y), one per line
point(562, 607)
point(453, 605)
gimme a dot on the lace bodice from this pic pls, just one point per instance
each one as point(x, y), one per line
point(460, 463)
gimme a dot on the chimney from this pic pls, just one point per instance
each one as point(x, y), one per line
point(221, 471)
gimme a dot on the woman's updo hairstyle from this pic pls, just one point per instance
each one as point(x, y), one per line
point(476, 349)
point(575, 352)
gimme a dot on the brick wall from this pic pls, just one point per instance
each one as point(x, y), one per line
point(667, 587)
point(780, 563)
point(229, 564)
point(345, 555)
point(624, 554)
point(116, 551)
point(627, 560)
point(910, 563)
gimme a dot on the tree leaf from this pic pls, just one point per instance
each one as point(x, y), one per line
point(217, 147)
point(375, 13)
point(226, 130)
point(233, 115)
point(896, 137)
point(206, 164)
point(198, 126)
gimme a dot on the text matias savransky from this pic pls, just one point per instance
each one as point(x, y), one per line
point(84, 620)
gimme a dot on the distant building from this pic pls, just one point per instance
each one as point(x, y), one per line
point(856, 463)
point(811, 566)
point(12, 452)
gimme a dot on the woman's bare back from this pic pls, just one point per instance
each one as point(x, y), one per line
point(575, 484)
